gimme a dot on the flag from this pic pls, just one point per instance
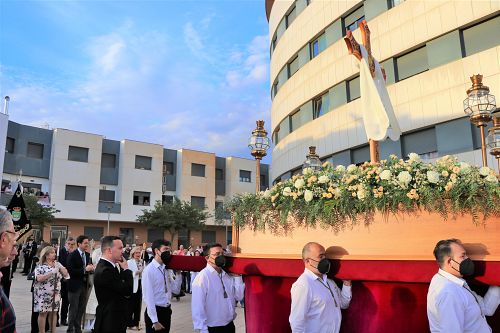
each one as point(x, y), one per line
point(16, 208)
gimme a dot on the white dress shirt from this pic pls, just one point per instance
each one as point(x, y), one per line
point(209, 306)
point(132, 265)
point(453, 307)
point(314, 310)
point(158, 284)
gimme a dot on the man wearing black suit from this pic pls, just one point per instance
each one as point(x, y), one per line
point(112, 287)
point(29, 252)
point(79, 266)
point(63, 259)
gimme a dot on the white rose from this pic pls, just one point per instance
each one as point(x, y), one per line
point(340, 168)
point(433, 177)
point(385, 175)
point(414, 157)
point(351, 168)
point(267, 194)
point(404, 177)
point(307, 171)
point(299, 183)
point(491, 178)
point(308, 195)
point(287, 191)
point(323, 179)
point(361, 194)
point(484, 171)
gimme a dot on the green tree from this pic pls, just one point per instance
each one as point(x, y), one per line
point(174, 216)
point(38, 214)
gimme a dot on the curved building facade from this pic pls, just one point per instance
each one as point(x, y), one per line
point(429, 49)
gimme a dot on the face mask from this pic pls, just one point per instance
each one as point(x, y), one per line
point(165, 257)
point(220, 261)
point(323, 265)
point(466, 267)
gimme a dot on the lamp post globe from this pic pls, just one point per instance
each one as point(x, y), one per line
point(312, 160)
point(258, 144)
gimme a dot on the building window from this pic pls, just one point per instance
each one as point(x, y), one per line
point(168, 168)
point(353, 91)
point(35, 150)
point(481, 37)
point(142, 198)
point(290, 17)
point(75, 193)
point(167, 199)
point(321, 105)
point(276, 136)
point(293, 66)
point(318, 45)
point(108, 160)
point(198, 202)
point(412, 63)
point(394, 3)
point(9, 145)
point(351, 21)
point(106, 195)
point(184, 238)
point(143, 162)
point(422, 142)
point(78, 154)
point(263, 182)
point(274, 89)
point(94, 233)
point(245, 176)
point(360, 155)
point(197, 170)
point(127, 235)
point(219, 174)
point(274, 42)
point(208, 236)
point(155, 234)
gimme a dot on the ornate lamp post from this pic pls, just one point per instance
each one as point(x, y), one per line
point(259, 144)
point(494, 140)
point(479, 105)
point(312, 160)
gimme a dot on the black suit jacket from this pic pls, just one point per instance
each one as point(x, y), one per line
point(112, 290)
point(76, 270)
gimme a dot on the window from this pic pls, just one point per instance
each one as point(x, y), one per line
point(290, 17)
point(295, 121)
point(108, 160)
point(276, 136)
point(245, 176)
point(35, 150)
point(351, 21)
point(394, 3)
point(318, 45)
point(274, 90)
point(422, 142)
point(75, 193)
point(107, 195)
point(155, 234)
point(208, 236)
point(219, 174)
point(94, 233)
point(321, 105)
point(143, 162)
point(263, 181)
point(293, 66)
point(78, 154)
point(197, 170)
point(167, 199)
point(274, 42)
point(411, 64)
point(198, 202)
point(168, 168)
point(183, 237)
point(353, 91)
point(9, 145)
point(142, 198)
point(360, 155)
point(127, 235)
point(481, 36)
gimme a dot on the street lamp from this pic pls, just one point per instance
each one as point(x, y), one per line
point(259, 144)
point(494, 140)
point(109, 212)
point(479, 105)
point(312, 160)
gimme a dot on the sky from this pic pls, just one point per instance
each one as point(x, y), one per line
point(184, 74)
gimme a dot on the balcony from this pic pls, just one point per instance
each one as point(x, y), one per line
point(114, 207)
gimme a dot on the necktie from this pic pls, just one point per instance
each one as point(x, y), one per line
point(83, 259)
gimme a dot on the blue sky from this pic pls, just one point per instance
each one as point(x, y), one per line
point(184, 74)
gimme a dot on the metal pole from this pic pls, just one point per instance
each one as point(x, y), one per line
point(483, 145)
point(109, 212)
point(257, 176)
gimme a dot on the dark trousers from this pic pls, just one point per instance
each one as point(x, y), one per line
point(27, 264)
point(164, 317)
point(135, 307)
point(229, 328)
point(64, 302)
point(186, 282)
point(76, 309)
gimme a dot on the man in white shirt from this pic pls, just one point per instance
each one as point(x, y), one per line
point(158, 284)
point(215, 294)
point(451, 305)
point(317, 300)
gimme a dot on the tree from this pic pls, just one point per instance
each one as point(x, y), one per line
point(39, 214)
point(174, 216)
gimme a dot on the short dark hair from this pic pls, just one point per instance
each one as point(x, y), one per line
point(159, 243)
point(70, 239)
point(80, 239)
point(107, 241)
point(443, 249)
point(206, 250)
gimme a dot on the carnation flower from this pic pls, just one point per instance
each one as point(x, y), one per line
point(491, 178)
point(340, 168)
point(404, 177)
point(323, 179)
point(351, 168)
point(361, 194)
point(308, 195)
point(307, 171)
point(287, 191)
point(433, 177)
point(266, 194)
point(444, 173)
point(413, 157)
point(385, 175)
point(484, 171)
point(299, 183)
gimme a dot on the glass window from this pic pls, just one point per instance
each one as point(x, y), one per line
point(167, 199)
point(284, 128)
point(184, 238)
point(245, 176)
point(263, 182)
point(108, 160)
point(198, 202)
point(360, 155)
point(155, 234)
point(168, 168)
point(274, 42)
point(353, 89)
point(318, 45)
point(78, 154)
point(274, 90)
point(9, 145)
point(107, 195)
point(394, 3)
point(197, 170)
point(276, 136)
point(75, 193)
point(141, 198)
point(208, 236)
point(421, 142)
point(143, 162)
point(295, 121)
point(321, 105)
point(219, 174)
point(482, 36)
point(95, 233)
point(35, 150)
point(290, 17)
point(293, 66)
point(351, 21)
point(127, 236)
point(412, 63)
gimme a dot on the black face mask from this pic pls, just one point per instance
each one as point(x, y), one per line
point(323, 265)
point(466, 267)
point(220, 261)
point(165, 257)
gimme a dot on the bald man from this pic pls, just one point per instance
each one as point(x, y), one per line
point(316, 300)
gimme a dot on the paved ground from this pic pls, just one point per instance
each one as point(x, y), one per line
point(20, 296)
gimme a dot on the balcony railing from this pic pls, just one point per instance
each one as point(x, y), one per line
point(113, 207)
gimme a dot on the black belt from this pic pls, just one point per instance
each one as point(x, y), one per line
point(163, 307)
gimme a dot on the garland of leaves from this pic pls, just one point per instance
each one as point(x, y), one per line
point(336, 196)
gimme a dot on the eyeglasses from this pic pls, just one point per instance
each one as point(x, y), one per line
point(16, 233)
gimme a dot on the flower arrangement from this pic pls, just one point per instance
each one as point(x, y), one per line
point(336, 195)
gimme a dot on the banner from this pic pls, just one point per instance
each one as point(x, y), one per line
point(16, 208)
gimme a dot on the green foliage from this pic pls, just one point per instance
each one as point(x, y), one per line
point(174, 216)
point(336, 197)
point(39, 214)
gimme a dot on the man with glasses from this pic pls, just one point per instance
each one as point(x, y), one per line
point(215, 294)
point(8, 251)
point(317, 300)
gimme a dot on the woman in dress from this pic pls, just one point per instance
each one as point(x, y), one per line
point(136, 265)
point(47, 288)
